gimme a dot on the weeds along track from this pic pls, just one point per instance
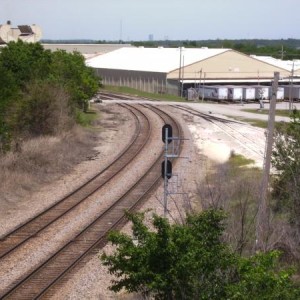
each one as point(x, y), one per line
point(230, 128)
point(33, 226)
point(50, 274)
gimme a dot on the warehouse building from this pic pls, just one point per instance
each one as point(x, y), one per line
point(173, 70)
point(87, 50)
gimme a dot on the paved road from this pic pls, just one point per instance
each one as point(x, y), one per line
point(235, 110)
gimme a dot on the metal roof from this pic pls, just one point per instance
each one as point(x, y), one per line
point(162, 60)
point(197, 81)
point(284, 64)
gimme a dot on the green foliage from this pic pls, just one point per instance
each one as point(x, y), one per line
point(28, 72)
point(238, 160)
point(258, 278)
point(85, 118)
point(25, 61)
point(190, 261)
point(286, 160)
point(8, 90)
point(279, 112)
point(69, 70)
point(174, 261)
point(43, 109)
point(150, 96)
point(253, 46)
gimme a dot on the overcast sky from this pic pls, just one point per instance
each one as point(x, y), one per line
point(164, 19)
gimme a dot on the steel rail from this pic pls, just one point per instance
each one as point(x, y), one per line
point(224, 122)
point(60, 208)
point(52, 271)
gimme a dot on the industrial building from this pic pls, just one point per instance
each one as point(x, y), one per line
point(174, 70)
point(26, 33)
point(87, 50)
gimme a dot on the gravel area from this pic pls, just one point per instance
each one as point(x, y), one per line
point(111, 132)
point(203, 140)
point(92, 281)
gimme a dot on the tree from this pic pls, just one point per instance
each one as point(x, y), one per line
point(8, 91)
point(173, 261)
point(44, 109)
point(190, 261)
point(259, 278)
point(28, 107)
point(69, 70)
point(26, 61)
point(286, 160)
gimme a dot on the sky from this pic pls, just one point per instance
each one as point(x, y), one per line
point(130, 20)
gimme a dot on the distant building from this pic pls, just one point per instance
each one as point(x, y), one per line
point(171, 70)
point(87, 50)
point(26, 33)
point(151, 37)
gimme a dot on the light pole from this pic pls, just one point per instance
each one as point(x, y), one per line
point(203, 86)
point(180, 87)
point(182, 76)
point(291, 88)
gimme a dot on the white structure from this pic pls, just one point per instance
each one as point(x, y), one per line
point(262, 92)
point(174, 70)
point(26, 33)
point(292, 91)
point(279, 94)
point(248, 93)
point(235, 92)
point(289, 65)
point(213, 92)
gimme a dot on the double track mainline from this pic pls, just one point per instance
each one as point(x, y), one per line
point(32, 227)
point(45, 279)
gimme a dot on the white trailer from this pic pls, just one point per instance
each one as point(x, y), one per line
point(222, 92)
point(293, 91)
point(248, 93)
point(235, 92)
point(279, 94)
point(213, 92)
point(262, 92)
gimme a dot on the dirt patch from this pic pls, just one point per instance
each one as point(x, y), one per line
point(48, 168)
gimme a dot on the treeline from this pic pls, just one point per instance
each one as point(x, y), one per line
point(41, 92)
point(286, 49)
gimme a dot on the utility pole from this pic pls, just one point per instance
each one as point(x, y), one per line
point(182, 75)
point(179, 77)
point(203, 86)
point(291, 88)
point(282, 52)
point(262, 220)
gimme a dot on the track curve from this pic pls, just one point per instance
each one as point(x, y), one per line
point(44, 279)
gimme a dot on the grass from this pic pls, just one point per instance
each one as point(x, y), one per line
point(254, 122)
point(279, 112)
point(86, 119)
point(40, 161)
point(134, 92)
point(238, 160)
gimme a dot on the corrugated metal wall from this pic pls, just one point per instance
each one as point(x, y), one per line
point(145, 81)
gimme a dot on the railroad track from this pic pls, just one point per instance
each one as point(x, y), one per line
point(47, 276)
point(116, 96)
point(25, 231)
point(230, 128)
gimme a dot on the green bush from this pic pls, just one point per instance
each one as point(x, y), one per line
point(190, 261)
